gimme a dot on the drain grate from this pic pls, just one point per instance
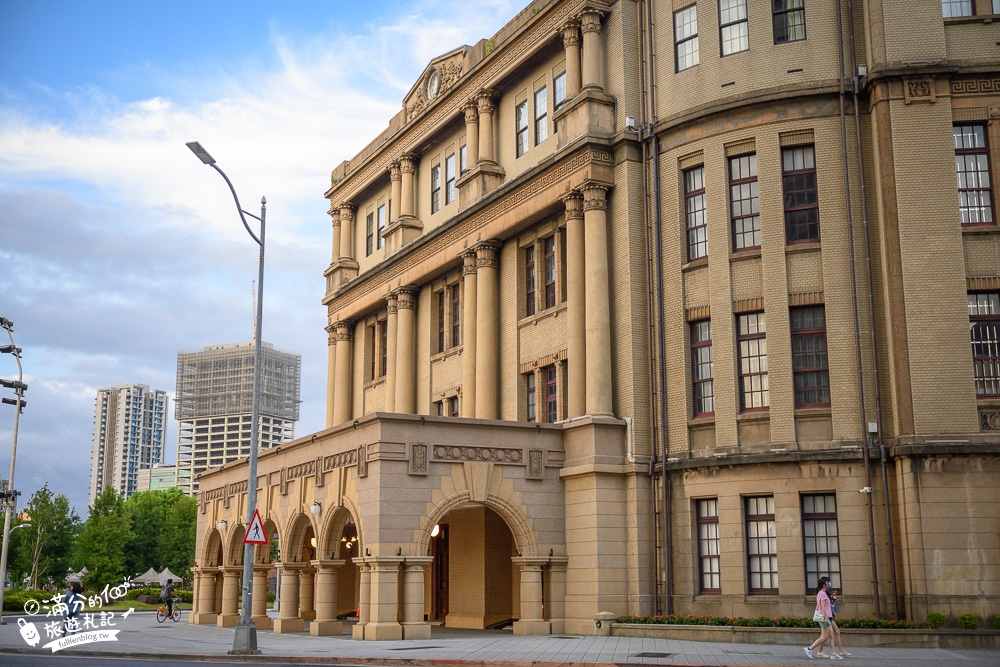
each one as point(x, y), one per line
point(651, 654)
point(413, 648)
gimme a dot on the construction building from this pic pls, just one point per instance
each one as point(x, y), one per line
point(161, 477)
point(647, 307)
point(129, 430)
point(214, 405)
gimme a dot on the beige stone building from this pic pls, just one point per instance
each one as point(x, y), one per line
point(560, 284)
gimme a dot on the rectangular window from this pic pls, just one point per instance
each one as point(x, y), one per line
point(789, 18)
point(810, 365)
point(996, 6)
point(694, 211)
point(435, 188)
point(762, 546)
point(449, 179)
point(709, 572)
point(529, 281)
point(559, 89)
point(686, 37)
point(521, 128)
point(701, 368)
point(952, 8)
point(821, 542)
point(551, 394)
point(383, 338)
point(972, 165)
point(530, 396)
point(549, 257)
point(371, 352)
point(369, 234)
point(456, 316)
point(744, 207)
point(752, 340)
point(798, 180)
point(440, 322)
point(984, 319)
point(453, 406)
point(541, 115)
point(380, 227)
point(734, 34)
point(462, 166)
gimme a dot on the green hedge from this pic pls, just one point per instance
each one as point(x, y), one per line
point(766, 622)
point(184, 595)
point(14, 600)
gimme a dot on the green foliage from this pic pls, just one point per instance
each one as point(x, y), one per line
point(41, 552)
point(968, 621)
point(184, 595)
point(179, 531)
point(936, 620)
point(996, 621)
point(767, 622)
point(103, 540)
point(13, 601)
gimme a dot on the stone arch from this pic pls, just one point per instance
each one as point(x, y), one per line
point(294, 536)
point(333, 528)
point(524, 538)
point(212, 554)
point(234, 545)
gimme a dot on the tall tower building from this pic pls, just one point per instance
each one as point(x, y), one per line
point(215, 402)
point(129, 422)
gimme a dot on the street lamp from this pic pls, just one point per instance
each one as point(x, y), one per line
point(8, 501)
point(245, 640)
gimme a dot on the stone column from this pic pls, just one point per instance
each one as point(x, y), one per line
point(571, 42)
point(288, 614)
point(195, 594)
point(306, 595)
point(391, 324)
point(331, 376)
point(598, 316)
point(486, 140)
point(205, 612)
point(335, 250)
point(395, 190)
point(406, 389)
point(259, 608)
point(326, 622)
point(347, 232)
point(531, 621)
point(486, 330)
point(593, 49)
point(468, 405)
point(471, 134)
point(364, 598)
point(408, 167)
point(414, 626)
point(576, 307)
point(384, 603)
point(230, 596)
point(555, 601)
point(342, 404)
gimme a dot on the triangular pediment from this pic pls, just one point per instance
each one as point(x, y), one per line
point(439, 75)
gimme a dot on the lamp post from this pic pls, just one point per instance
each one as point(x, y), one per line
point(245, 640)
point(18, 403)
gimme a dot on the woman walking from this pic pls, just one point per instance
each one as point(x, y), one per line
point(822, 616)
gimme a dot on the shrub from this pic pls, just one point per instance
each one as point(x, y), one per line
point(134, 593)
point(935, 620)
point(968, 621)
point(767, 622)
point(996, 621)
point(14, 600)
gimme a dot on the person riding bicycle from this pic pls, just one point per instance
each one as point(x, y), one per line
point(167, 596)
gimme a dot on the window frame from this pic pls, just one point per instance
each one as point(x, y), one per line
point(441, 340)
point(782, 13)
point(521, 129)
point(747, 351)
point(755, 556)
point(530, 305)
point(462, 164)
point(811, 574)
point(549, 272)
point(983, 151)
point(449, 179)
point(559, 85)
point(369, 234)
point(697, 234)
point(456, 314)
point(709, 563)
point(550, 384)
point(380, 222)
point(990, 322)
point(435, 188)
point(693, 37)
point(745, 22)
point(736, 185)
point(382, 331)
point(961, 5)
point(541, 119)
point(800, 184)
point(530, 397)
point(816, 334)
point(698, 381)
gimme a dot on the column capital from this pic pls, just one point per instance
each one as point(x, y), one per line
point(484, 100)
point(291, 568)
point(468, 261)
point(408, 163)
point(574, 205)
point(594, 197)
point(324, 565)
point(406, 297)
point(417, 561)
point(471, 111)
point(570, 31)
point(391, 302)
point(590, 19)
point(486, 254)
point(395, 171)
point(346, 211)
point(345, 330)
point(531, 562)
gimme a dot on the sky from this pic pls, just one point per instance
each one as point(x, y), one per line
point(119, 248)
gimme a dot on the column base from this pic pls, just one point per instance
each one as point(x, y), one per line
point(358, 631)
point(590, 114)
point(202, 618)
point(227, 620)
point(478, 182)
point(283, 625)
point(378, 632)
point(416, 630)
point(307, 615)
point(326, 628)
point(262, 622)
point(402, 232)
point(532, 628)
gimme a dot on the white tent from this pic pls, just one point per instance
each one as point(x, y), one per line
point(148, 577)
point(167, 574)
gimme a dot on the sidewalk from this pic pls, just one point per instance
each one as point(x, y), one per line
point(141, 636)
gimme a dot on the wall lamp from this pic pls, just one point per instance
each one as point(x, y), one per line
point(315, 509)
point(222, 525)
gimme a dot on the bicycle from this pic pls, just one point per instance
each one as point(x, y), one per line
point(161, 612)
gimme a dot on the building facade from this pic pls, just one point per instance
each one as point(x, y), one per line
point(129, 430)
point(215, 401)
point(161, 477)
point(561, 283)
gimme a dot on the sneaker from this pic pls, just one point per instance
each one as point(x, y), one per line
point(835, 657)
point(808, 652)
point(822, 655)
point(845, 654)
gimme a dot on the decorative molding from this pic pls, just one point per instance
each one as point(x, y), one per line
point(699, 313)
point(464, 453)
point(983, 283)
point(418, 458)
point(536, 464)
point(796, 138)
point(919, 90)
point(363, 461)
point(989, 420)
point(805, 299)
point(974, 86)
point(741, 147)
point(406, 298)
point(970, 114)
point(340, 460)
point(547, 360)
point(748, 305)
point(448, 73)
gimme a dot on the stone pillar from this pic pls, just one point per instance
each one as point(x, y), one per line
point(467, 406)
point(576, 307)
point(326, 622)
point(342, 404)
point(306, 595)
point(471, 134)
point(486, 139)
point(384, 603)
point(414, 626)
point(599, 400)
point(555, 601)
point(391, 324)
point(335, 250)
point(531, 621)
point(259, 608)
point(204, 607)
point(347, 232)
point(593, 50)
point(364, 598)
point(406, 388)
point(288, 614)
point(408, 167)
point(486, 330)
point(331, 373)
point(571, 42)
point(395, 191)
point(230, 596)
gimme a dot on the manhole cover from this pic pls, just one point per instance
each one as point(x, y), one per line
point(651, 654)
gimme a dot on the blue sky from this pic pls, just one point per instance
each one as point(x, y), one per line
point(118, 248)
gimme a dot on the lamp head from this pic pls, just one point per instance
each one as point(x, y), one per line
point(202, 154)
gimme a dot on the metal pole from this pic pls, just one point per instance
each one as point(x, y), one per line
point(9, 503)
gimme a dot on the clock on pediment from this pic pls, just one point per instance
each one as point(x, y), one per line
point(433, 84)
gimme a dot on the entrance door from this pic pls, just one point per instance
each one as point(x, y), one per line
point(440, 573)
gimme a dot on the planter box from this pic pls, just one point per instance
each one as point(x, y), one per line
point(923, 638)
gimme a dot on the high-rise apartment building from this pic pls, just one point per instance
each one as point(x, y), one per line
point(129, 429)
point(215, 402)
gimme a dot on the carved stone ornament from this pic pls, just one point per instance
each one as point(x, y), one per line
point(436, 81)
point(989, 421)
point(919, 90)
point(464, 453)
point(363, 461)
point(536, 469)
point(418, 459)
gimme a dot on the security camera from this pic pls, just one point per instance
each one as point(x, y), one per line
point(866, 489)
point(630, 123)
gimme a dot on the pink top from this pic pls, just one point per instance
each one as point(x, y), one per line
point(823, 603)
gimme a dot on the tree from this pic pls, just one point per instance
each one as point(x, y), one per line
point(179, 532)
point(45, 550)
point(103, 540)
point(163, 531)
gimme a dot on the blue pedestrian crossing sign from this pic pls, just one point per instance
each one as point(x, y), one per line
point(255, 531)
